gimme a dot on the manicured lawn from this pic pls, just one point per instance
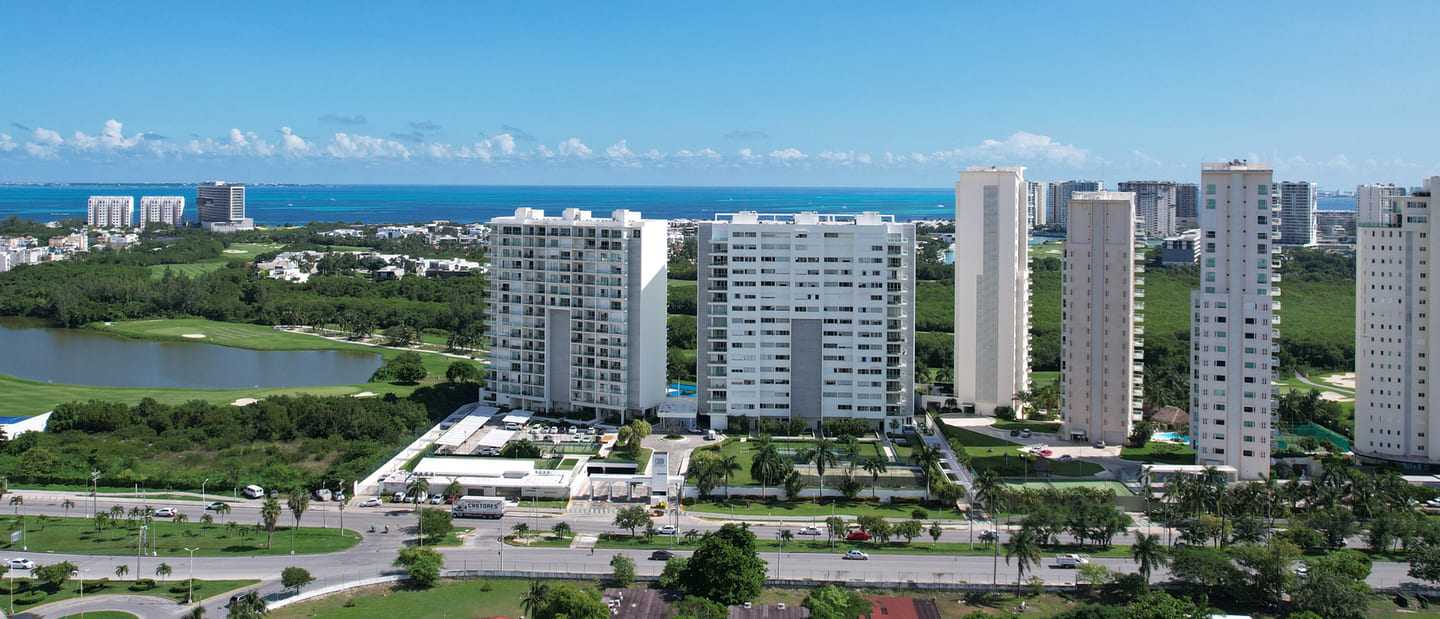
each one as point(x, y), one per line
point(539, 540)
point(104, 614)
point(78, 535)
point(1003, 457)
point(740, 507)
point(236, 251)
point(543, 503)
point(449, 599)
point(1160, 453)
point(971, 438)
point(29, 595)
point(1041, 379)
point(22, 397)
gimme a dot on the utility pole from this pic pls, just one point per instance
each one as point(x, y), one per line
point(190, 597)
point(94, 488)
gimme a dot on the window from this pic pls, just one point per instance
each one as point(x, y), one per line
point(1210, 190)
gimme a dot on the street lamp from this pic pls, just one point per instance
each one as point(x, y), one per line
point(202, 489)
point(501, 539)
point(94, 489)
point(191, 595)
point(139, 544)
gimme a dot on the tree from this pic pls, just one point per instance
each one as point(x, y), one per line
point(834, 528)
point(295, 578)
point(909, 529)
point(1024, 547)
point(270, 517)
point(462, 372)
point(422, 564)
point(725, 568)
point(435, 524)
point(222, 510)
point(729, 465)
point(561, 529)
point(534, 598)
point(672, 575)
point(1148, 553)
point(928, 459)
point(1092, 574)
point(794, 484)
point(1269, 568)
point(822, 455)
point(415, 489)
point(833, 602)
point(53, 576)
point(1205, 569)
point(631, 435)
point(248, 606)
point(767, 467)
point(875, 467)
point(632, 518)
point(454, 491)
point(935, 532)
point(163, 571)
point(622, 570)
point(1332, 593)
point(298, 502)
point(567, 601)
point(701, 608)
point(1425, 563)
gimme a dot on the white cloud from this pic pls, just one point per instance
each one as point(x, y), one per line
point(1021, 146)
point(7, 143)
point(294, 145)
point(619, 151)
point(704, 153)
point(44, 143)
point(346, 146)
point(845, 158)
point(111, 138)
point(787, 155)
point(573, 147)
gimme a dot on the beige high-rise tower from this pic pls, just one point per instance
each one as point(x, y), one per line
point(1101, 356)
point(992, 288)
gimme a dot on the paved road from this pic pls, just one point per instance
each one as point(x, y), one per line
point(483, 551)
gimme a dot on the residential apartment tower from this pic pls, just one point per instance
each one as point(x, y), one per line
point(992, 288)
point(110, 211)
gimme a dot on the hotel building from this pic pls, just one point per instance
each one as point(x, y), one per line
point(1232, 319)
point(806, 317)
point(167, 210)
point(1396, 407)
point(221, 207)
point(577, 313)
point(1101, 359)
point(992, 288)
point(110, 211)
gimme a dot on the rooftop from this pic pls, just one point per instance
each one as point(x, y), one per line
point(623, 217)
point(867, 218)
point(1235, 165)
point(1105, 196)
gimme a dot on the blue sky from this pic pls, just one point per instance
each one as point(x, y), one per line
point(760, 93)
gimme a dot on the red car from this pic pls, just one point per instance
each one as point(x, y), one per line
point(857, 536)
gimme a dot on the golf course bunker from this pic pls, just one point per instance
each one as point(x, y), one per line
point(194, 336)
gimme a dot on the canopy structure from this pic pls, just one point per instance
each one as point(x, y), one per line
point(520, 417)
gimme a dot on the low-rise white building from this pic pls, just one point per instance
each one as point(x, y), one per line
point(513, 478)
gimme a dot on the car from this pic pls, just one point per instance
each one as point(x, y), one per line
point(215, 506)
point(1024, 434)
point(371, 502)
point(165, 512)
point(20, 564)
point(1014, 433)
point(662, 555)
point(1433, 502)
point(989, 535)
point(811, 531)
point(855, 555)
point(668, 529)
point(1065, 458)
point(1098, 444)
point(437, 499)
point(1070, 561)
point(339, 497)
point(857, 535)
point(1302, 570)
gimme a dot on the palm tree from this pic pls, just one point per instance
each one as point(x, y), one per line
point(207, 520)
point(1024, 547)
point(298, 502)
point(534, 597)
point(1149, 554)
point(454, 491)
point(988, 489)
point(270, 516)
point(121, 571)
point(561, 529)
point(163, 571)
point(821, 455)
point(68, 505)
point(729, 465)
point(222, 510)
point(767, 465)
point(928, 459)
point(417, 487)
point(875, 467)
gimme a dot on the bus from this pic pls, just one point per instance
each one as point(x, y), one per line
point(479, 507)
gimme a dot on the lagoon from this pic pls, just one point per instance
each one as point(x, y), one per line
point(85, 357)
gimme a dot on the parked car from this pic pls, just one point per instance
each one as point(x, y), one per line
point(20, 564)
point(371, 502)
point(662, 555)
point(856, 555)
point(437, 499)
point(989, 535)
point(1435, 502)
point(811, 531)
point(1070, 561)
point(1024, 434)
point(215, 506)
point(1065, 458)
point(668, 529)
point(1302, 570)
point(1098, 444)
point(165, 512)
point(858, 535)
point(339, 497)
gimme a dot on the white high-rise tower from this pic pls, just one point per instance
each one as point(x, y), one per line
point(992, 295)
point(1297, 213)
point(1101, 356)
point(110, 211)
point(1232, 319)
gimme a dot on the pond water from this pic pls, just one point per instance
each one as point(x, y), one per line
point(83, 357)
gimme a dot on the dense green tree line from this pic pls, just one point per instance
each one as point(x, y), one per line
point(281, 441)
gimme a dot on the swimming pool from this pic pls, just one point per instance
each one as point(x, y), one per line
point(681, 389)
point(1171, 437)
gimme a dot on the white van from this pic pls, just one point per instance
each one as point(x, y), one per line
point(1070, 561)
point(253, 491)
